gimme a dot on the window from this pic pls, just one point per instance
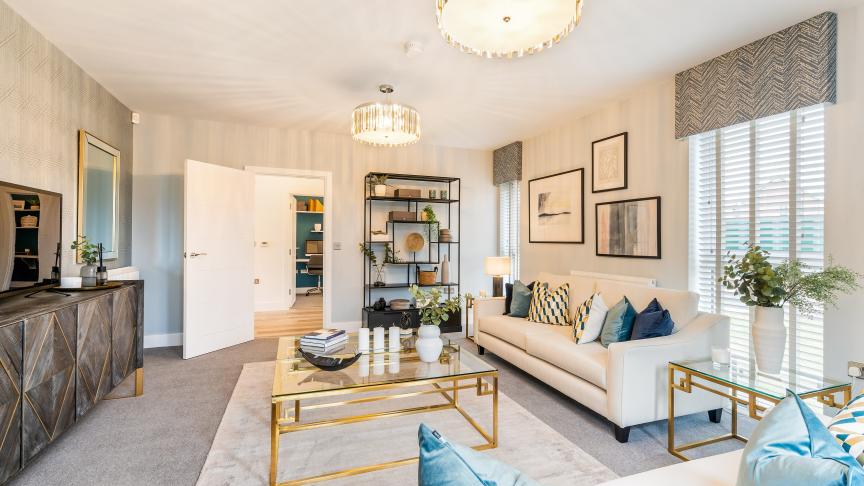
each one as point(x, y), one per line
point(762, 182)
point(508, 225)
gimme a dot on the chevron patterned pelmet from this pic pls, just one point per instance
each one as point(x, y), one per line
point(790, 69)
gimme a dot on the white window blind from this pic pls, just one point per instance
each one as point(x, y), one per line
point(508, 225)
point(761, 182)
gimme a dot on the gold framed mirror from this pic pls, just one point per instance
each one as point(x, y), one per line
point(98, 198)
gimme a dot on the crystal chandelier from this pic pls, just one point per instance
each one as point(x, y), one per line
point(506, 28)
point(386, 124)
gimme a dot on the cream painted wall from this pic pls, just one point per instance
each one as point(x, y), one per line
point(844, 191)
point(657, 166)
point(46, 98)
point(162, 143)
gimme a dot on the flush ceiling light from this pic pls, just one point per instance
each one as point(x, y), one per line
point(506, 28)
point(386, 124)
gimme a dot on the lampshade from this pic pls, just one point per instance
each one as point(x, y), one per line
point(506, 28)
point(497, 266)
point(385, 124)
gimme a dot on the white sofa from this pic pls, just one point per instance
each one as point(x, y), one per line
point(719, 470)
point(626, 383)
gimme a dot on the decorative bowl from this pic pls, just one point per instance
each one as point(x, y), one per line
point(329, 363)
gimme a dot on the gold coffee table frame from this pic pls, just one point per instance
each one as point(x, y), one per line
point(737, 394)
point(284, 421)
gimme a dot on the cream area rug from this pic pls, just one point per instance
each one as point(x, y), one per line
point(240, 454)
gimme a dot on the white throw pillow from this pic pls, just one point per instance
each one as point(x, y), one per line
point(596, 316)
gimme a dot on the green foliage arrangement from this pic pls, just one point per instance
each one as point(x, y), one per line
point(757, 282)
point(88, 251)
point(432, 219)
point(380, 179)
point(432, 310)
point(391, 255)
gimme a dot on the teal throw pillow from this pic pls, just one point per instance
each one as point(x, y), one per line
point(792, 447)
point(445, 464)
point(521, 300)
point(618, 325)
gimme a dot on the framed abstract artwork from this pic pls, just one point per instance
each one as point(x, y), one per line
point(556, 212)
point(609, 164)
point(629, 228)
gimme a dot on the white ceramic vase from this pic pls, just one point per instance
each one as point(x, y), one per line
point(380, 190)
point(429, 344)
point(769, 338)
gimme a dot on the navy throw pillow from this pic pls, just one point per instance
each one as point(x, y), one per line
point(654, 321)
point(508, 297)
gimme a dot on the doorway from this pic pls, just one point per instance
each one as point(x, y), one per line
point(291, 264)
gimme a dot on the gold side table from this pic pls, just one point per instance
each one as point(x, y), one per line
point(743, 385)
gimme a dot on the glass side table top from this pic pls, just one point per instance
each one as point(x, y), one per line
point(296, 376)
point(742, 373)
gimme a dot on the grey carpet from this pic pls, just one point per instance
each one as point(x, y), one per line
point(163, 437)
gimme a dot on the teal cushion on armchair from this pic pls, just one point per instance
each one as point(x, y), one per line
point(792, 447)
point(446, 464)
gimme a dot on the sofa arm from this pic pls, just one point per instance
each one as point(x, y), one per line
point(486, 306)
point(637, 373)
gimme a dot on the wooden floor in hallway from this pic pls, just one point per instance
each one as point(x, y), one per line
point(306, 315)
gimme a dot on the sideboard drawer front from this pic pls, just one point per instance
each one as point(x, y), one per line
point(11, 353)
point(124, 331)
point(49, 379)
point(94, 351)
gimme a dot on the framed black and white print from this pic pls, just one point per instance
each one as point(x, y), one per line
point(609, 164)
point(629, 228)
point(556, 208)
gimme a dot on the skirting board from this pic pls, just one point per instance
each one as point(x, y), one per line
point(163, 340)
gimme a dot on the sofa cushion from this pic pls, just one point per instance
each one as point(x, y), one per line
point(554, 345)
point(653, 321)
point(550, 306)
point(618, 325)
point(580, 288)
point(510, 329)
point(681, 304)
point(520, 300)
point(593, 326)
point(848, 427)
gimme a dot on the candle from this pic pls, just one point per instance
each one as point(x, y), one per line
point(363, 342)
point(378, 366)
point(364, 363)
point(720, 356)
point(378, 339)
point(393, 365)
point(394, 345)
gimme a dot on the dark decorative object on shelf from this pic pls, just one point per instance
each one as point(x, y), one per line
point(429, 253)
point(329, 363)
point(380, 305)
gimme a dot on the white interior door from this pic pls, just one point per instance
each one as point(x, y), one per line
point(218, 293)
point(291, 250)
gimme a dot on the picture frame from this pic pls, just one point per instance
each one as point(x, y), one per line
point(609, 163)
point(629, 228)
point(556, 208)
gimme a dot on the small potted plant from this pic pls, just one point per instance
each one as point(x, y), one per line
point(373, 259)
point(432, 313)
point(379, 184)
point(89, 253)
point(767, 288)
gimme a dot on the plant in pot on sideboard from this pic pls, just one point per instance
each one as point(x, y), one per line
point(89, 254)
point(767, 288)
point(432, 313)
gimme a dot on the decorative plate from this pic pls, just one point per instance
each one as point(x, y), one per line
point(414, 242)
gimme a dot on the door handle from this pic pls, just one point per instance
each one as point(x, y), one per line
point(193, 254)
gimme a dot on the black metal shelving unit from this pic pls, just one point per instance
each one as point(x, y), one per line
point(434, 253)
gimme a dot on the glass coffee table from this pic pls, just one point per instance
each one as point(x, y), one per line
point(379, 377)
point(742, 384)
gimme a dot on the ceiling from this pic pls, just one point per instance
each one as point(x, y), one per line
point(305, 64)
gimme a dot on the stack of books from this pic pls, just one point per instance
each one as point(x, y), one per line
point(324, 340)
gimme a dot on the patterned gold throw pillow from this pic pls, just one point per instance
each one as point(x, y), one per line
point(848, 428)
point(550, 306)
point(581, 319)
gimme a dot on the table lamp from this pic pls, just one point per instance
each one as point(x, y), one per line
point(497, 267)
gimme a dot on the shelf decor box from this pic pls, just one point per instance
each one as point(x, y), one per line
point(402, 216)
point(408, 193)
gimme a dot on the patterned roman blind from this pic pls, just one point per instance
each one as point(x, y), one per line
point(788, 70)
point(507, 163)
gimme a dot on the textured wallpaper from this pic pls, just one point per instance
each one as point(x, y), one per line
point(45, 98)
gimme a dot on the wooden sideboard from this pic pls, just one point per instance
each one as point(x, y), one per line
point(59, 356)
